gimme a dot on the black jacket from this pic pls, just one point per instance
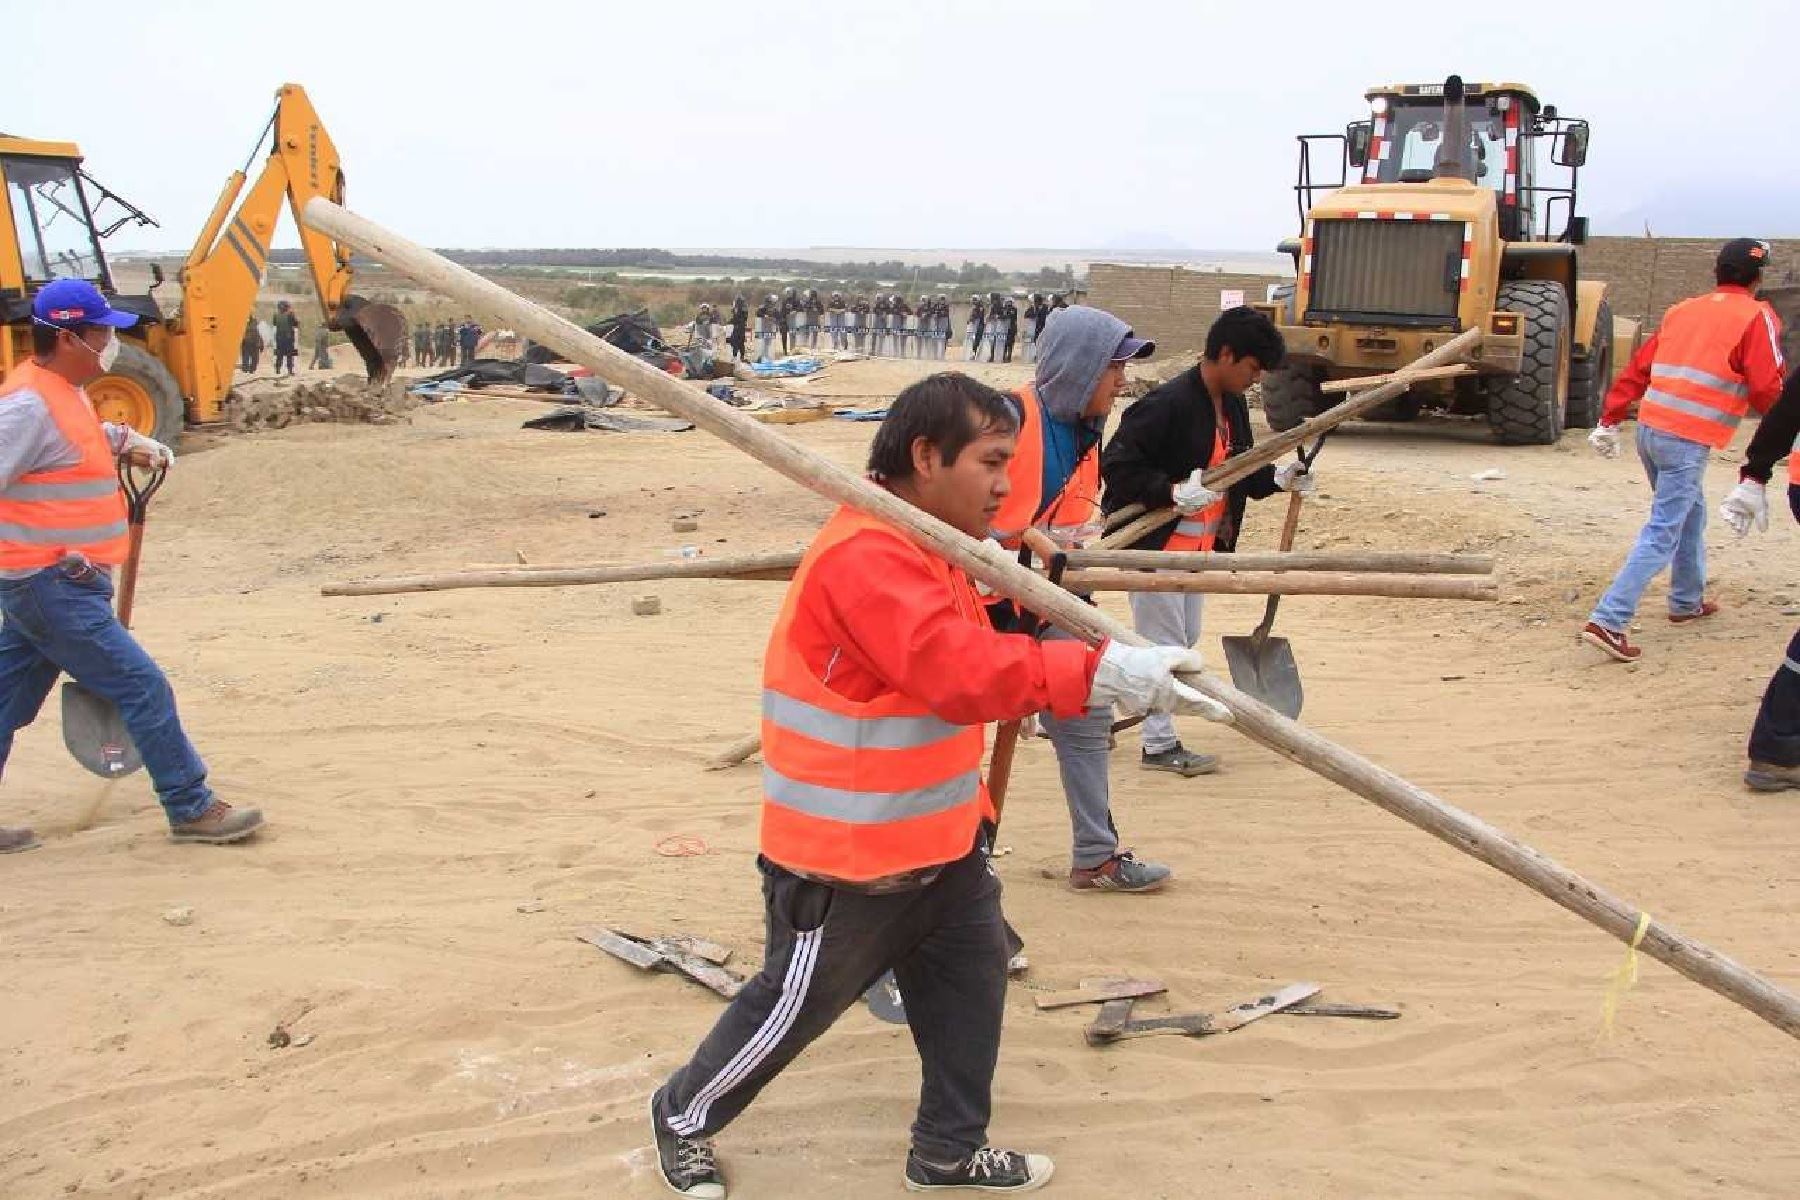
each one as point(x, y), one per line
point(1162, 438)
point(1775, 436)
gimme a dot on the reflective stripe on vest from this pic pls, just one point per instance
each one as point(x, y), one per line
point(46, 515)
point(859, 790)
point(1074, 507)
point(1694, 391)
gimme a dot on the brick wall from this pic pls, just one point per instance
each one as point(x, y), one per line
point(1173, 305)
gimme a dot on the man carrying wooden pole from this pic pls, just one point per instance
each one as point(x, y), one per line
point(880, 674)
point(1164, 443)
point(1053, 501)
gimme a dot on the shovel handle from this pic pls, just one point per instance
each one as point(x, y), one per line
point(1289, 527)
point(137, 505)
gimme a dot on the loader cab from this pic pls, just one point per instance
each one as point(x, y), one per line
point(1480, 132)
point(47, 228)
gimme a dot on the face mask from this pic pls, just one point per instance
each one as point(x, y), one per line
point(109, 353)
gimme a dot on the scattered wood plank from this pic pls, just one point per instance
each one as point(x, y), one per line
point(1112, 989)
point(1395, 562)
point(696, 958)
point(1200, 1024)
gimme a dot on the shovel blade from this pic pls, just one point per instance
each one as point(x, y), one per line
point(1267, 672)
point(95, 733)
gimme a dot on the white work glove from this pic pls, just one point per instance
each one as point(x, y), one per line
point(1139, 679)
point(137, 445)
point(1748, 503)
point(1605, 440)
point(1191, 496)
point(1292, 477)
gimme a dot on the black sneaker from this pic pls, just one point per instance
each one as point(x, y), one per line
point(1179, 760)
point(687, 1163)
point(986, 1170)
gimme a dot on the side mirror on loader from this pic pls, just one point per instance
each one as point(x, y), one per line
point(1357, 136)
point(1572, 146)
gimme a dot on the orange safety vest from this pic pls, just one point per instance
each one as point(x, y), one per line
point(862, 789)
point(1695, 393)
point(1198, 531)
point(45, 515)
point(1072, 509)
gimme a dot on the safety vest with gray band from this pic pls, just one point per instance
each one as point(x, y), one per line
point(47, 515)
point(860, 790)
point(1695, 393)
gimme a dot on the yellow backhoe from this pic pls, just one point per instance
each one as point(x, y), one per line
point(175, 367)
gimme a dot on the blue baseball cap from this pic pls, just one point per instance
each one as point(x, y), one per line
point(68, 303)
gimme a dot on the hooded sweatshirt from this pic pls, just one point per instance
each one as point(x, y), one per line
point(1076, 348)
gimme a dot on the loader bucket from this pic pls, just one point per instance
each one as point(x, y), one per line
point(378, 331)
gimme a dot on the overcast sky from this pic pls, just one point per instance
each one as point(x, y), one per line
point(910, 124)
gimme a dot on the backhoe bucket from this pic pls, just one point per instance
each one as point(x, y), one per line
point(378, 331)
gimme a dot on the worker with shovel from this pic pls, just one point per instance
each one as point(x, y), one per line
point(879, 677)
point(1053, 506)
point(63, 529)
point(1164, 442)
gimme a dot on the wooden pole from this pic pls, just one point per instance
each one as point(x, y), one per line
point(1392, 562)
point(1357, 384)
point(779, 565)
point(1286, 583)
point(998, 570)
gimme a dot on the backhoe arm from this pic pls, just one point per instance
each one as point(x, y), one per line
point(225, 268)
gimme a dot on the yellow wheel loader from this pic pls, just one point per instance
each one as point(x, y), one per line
point(175, 366)
point(1446, 226)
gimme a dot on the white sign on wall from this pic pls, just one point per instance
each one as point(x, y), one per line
point(1231, 299)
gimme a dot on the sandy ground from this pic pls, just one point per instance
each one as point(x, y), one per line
point(459, 782)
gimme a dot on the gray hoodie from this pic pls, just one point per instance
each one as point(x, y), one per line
point(1076, 348)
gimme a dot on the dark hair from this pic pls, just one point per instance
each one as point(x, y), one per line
point(949, 410)
point(1736, 274)
point(1247, 333)
point(43, 336)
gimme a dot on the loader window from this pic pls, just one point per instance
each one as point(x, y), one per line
point(50, 220)
point(1419, 142)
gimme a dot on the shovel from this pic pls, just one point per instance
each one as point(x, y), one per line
point(1263, 665)
point(93, 730)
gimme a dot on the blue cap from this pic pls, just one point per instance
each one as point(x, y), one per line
point(67, 303)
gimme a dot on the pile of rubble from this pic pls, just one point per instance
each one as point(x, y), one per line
point(349, 399)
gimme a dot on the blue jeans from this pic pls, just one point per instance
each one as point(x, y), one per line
point(61, 619)
point(1673, 536)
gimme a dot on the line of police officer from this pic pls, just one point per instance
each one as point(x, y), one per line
point(886, 324)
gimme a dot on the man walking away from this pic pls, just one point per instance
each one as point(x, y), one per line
point(446, 344)
point(879, 676)
point(62, 532)
point(1011, 309)
point(468, 336)
point(1164, 443)
point(287, 336)
point(250, 347)
point(1052, 505)
point(321, 359)
point(768, 317)
point(1713, 358)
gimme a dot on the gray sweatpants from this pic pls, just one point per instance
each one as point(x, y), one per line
point(1083, 754)
point(1168, 619)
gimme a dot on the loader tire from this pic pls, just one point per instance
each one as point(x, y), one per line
point(140, 392)
point(1290, 395)
point(1590, 373)
point(1529, 409)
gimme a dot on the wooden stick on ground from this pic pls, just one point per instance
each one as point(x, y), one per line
point(1254, 720)
point(779, 565)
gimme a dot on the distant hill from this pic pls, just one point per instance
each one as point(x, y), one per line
point(1720, 210)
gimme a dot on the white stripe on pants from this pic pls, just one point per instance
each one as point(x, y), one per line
point(1168, 619)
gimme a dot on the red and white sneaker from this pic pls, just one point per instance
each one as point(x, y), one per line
point(1707, 608)
point(1614, 645)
